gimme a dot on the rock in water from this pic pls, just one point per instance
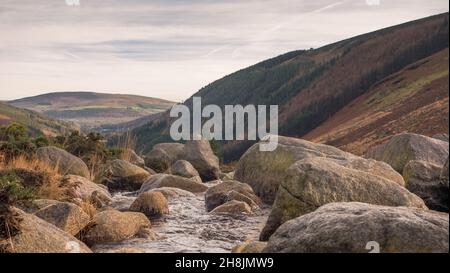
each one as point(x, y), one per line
point(184, 168)
point(152, 204)
point(172, 193)
point(66, 216)
point(353, 227)
point(202, 157)
point(264, 171)
point(220, 193)
point(121, 175)
point(39, 236)
point(63, 161)
point(233, 207)
point(234, 195)
point(402, 148)
point(114, 226)
point(172, 181)
point(424, 180)
point(314, 182)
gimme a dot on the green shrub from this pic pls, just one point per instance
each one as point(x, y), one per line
point(15, 141)
point(13, 132)
point(12, 193)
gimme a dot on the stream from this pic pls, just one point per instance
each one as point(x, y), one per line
point(189, 228)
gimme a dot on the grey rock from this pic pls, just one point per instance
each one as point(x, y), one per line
point(351, 227)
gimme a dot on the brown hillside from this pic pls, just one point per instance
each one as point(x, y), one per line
point(413, 100)
point(362, 59)
point(36, 123)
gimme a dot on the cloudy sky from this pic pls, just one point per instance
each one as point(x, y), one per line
point(170, 48)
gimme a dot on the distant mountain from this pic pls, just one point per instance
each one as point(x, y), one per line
point(90, 110)
point(311, 86)
point(36, 123)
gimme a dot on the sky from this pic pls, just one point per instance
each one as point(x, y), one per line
point(169, 49)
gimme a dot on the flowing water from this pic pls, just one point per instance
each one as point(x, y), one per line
point(189, 228)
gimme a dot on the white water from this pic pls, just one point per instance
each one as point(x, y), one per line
point(189, 228)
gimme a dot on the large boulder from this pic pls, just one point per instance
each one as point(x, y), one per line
point(374, 167)
point(39, 236)
point(264, 170)
point(184, 168)
point(36, 205)
point(66, 216)
point(443, 137)
point(172, 181)
point(85, 189)
point(202, 157)
point(233, 207)
point(121, 175)
point(314, 182)
point(163, 155)
point(152, 204)
point(359, 228)
point(402, 148)
point(64, 162)
point(158, 160)
point(114, 226)
point(223, 192)
point(173, 150)
point(424, 179)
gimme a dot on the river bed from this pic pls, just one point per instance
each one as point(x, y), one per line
point(190, 229)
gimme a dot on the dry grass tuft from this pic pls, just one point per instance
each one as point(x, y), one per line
point(47, 181)
point(89, 208)
point(96, 169)
point(126, 146)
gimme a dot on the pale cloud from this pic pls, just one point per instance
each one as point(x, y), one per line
point(170, 49)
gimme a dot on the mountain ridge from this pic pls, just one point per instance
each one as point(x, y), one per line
point(92, 109)
point(310, 86)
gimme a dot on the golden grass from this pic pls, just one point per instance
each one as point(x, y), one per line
point(89, 208)
point(51, 185)
point(95, 169)
point(127, 145)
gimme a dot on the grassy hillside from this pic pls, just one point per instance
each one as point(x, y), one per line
point(36, 123)
point(92, 110)
point(414, 100)
point(311, 86)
